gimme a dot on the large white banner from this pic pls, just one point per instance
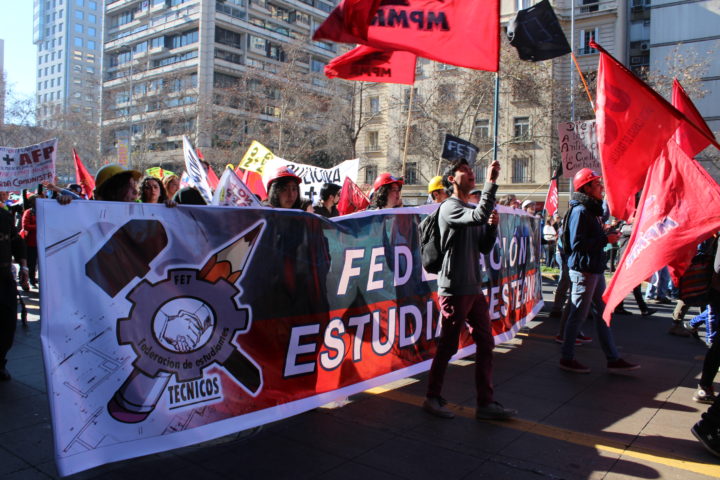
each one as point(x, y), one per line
point(164, 327)
point(578, 147)
point(314, 177)
point(25, 167)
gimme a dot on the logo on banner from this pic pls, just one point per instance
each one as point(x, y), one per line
point(181, 326)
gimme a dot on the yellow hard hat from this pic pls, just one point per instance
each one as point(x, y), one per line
point(109, 171)
point(435, 184)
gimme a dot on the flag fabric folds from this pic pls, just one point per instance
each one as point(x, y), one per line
point(672, 218)
point(551, 200)
point(370, 64)
point(465, 33)
point(82, 177)
point(352, 199)
point(195, 174)
point(254, 182)
point(536, 33)
point(633, 125)
point(690, 140)
point(231, 191)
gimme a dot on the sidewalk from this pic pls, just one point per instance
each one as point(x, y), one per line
point(570, 426)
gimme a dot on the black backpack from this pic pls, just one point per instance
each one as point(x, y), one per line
point(430, 245)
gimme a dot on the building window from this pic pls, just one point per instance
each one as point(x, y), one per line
point(482, 129)
point(370, 174)
point(92, 18)
point(91, 31)
point(92, 5)
point(373, 141)
point(80, 16)
point(374, 105)
point(78, 28)
point(585, 37)
point(411, 173)
point(521, 170)
point(80, 3)
point(521, 128)
point(227, 37)
point(480, 170)
point(406, 99)
point(317, 66)
point(91, 44)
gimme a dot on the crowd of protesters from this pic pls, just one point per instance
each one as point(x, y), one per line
point(579, 245)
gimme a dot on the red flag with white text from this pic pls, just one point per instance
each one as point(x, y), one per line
point(368, 64)
point(633, 125)
point(672, 218)
point(690, 140)
point(352, 199)
point(465, 33)
point(551, 200)
point(82, 177)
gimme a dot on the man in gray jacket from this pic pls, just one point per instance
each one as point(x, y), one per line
point(466, 231)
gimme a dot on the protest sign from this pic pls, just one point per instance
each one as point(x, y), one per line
point(195, 174)
point(159, 329)
point(256, 157)
point(231, 191)
point(578, 147)
point(455, 148)
point(25, 167)
point(314, 177)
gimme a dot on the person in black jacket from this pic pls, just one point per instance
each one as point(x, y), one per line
point(11, 245)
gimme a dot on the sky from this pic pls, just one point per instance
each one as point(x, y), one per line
point(16, 29)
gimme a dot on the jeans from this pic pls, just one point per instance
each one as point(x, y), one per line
point(455, 310)
point(549, 254)
point(709, 317)
point(658, 285)
point(586, 293)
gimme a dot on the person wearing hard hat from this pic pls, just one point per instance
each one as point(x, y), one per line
point(584, 240)
point(284, 189)
point(116, 183)
point(386, 192)
point(436, 190)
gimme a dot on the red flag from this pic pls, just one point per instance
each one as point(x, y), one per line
point(689, 139)
point(352, 199)
point(465, 33)
point(551, 201)
point(672, 218)
point(633, 125)
point(82, 177)
point(369, 64)
point(253, 181)
point(357, 15)
point(212, 178)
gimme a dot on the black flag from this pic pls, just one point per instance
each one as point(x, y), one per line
point(536, 33)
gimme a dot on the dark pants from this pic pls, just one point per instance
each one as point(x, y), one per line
point(8, 312)
point(455, 311)
point(639, 299)
point(32, 256)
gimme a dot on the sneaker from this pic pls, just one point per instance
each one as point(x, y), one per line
point(494, 411)
point(693, 330)
point(647, 312)
point(621, 365)
point(559, 339)
point(583, 338)
point(573, 366)
point(678, 330)
point(704, 395)
point(708, 435)
point(4, 375)
point(436, 406)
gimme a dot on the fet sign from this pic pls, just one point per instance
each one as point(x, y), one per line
point(455, 148)
point(25, 167)
point(578, 147)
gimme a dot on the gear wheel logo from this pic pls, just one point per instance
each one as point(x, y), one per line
point(184, 324)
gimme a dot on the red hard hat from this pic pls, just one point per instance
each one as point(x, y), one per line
point(385, 179)
point(584, 176)
point(283, 172)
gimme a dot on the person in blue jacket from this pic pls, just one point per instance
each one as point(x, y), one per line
point(584, 240)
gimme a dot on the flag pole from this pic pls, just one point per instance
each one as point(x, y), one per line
point(496, 108)
point(407, 130)
point(582, 77)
